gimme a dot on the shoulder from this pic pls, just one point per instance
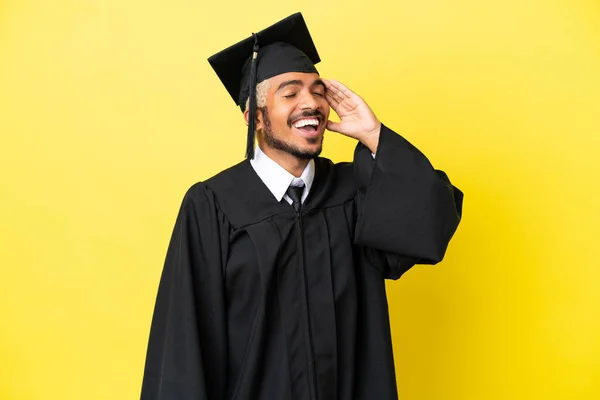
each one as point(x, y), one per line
point(229, 180)
point(224, 181)
point(238, 193)
point(196, 198)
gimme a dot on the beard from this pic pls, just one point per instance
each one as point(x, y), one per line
point(289, 148)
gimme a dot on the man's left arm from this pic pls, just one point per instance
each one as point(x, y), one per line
point(406, 209)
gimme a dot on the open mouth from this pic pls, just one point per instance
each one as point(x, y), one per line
point(307, 125)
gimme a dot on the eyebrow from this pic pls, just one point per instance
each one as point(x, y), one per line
point(298, 82)
point(319, 82)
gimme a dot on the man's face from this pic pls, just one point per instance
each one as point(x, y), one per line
point(295, 115)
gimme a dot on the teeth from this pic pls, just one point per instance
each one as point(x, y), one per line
point(304, 122)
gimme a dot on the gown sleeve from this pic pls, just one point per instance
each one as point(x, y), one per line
point(187, 345)
point(407, 211)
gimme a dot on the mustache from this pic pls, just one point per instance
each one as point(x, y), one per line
point(306, 114)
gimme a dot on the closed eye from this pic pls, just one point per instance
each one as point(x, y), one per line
point(290, 96)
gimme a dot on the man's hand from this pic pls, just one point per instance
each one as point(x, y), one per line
point(356, 118)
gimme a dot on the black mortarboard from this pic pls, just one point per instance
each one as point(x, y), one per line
point(285, 46)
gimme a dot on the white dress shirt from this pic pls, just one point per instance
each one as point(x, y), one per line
point(277, 179)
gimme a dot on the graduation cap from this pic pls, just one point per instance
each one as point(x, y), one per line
point(285, 46)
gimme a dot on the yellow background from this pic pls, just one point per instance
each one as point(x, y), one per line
point(109, 111)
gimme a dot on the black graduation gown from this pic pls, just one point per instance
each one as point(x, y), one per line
point(259, 302)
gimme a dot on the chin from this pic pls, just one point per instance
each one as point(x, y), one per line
point(306, 148)
point(313, 151)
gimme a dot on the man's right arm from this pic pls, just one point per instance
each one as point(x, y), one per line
point(186, 356)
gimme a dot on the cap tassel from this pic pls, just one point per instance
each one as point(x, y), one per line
point(252, 101)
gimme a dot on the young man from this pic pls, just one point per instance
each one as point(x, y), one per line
point(273, 285)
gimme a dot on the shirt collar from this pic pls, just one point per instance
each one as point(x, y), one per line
point(276, 178)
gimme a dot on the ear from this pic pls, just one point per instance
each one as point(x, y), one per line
point(259, 118)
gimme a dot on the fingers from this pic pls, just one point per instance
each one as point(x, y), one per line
point(340, 98)
point(332, 95)
point(338, 90)
point(332, 100)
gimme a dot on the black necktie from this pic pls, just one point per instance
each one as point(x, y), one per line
point(295, 193)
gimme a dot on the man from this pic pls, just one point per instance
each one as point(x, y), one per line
point(273, 285)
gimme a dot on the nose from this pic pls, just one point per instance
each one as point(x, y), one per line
point(308, 101)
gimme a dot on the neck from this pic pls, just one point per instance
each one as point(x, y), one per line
point(290, 163)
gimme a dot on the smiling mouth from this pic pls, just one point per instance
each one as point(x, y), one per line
point(307, 125)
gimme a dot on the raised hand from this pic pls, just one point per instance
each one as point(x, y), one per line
point(357, 120)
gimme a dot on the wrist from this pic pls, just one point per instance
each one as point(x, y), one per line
point(371, 138)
